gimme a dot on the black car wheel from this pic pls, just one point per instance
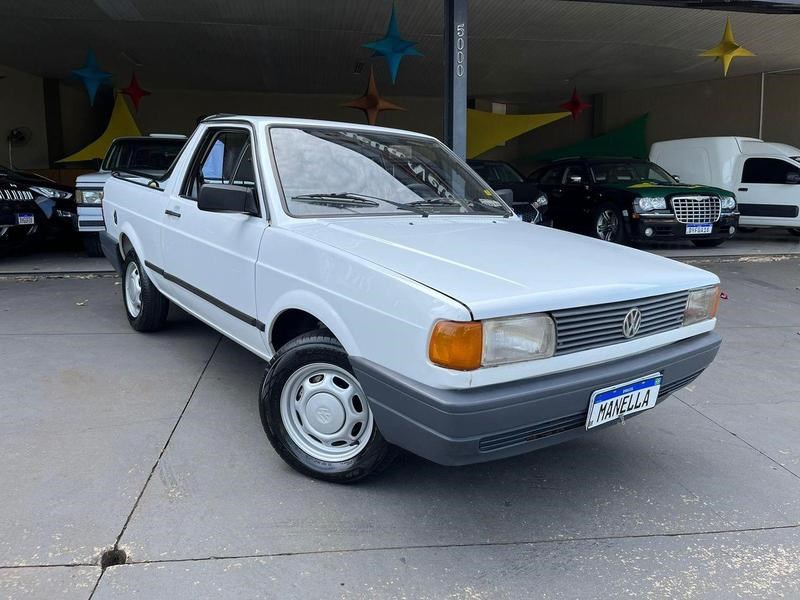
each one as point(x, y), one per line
point(608, 224)
point(794, 231)
point(145, 306)
point(708, 243)
point(316, 414)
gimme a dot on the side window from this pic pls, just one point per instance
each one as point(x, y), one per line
point(576, 171)
point(769, 170)
point(553, 175)
point(226, 157)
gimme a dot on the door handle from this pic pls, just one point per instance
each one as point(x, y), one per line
point(742, 190)
point(172, 213)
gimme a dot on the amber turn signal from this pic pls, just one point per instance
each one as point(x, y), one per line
point(457, 345)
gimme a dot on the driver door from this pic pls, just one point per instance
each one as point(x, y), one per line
point(210, 257)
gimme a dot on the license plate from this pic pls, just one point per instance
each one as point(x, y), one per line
point(25, 219)
point(698, 228)
point(622, 400)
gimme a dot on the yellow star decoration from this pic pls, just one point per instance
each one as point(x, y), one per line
point(727, 49)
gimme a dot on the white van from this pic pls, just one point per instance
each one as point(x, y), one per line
point(765, 176)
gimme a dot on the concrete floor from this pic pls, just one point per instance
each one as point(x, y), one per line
point(154, 442)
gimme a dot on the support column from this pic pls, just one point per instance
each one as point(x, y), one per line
point(52, 120)
point(455, 75)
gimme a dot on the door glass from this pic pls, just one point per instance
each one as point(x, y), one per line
point(553, 175)
point(576, 171)
point(228, 159)
point(768, 170)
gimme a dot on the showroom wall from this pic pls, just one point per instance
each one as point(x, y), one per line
point(22, 105)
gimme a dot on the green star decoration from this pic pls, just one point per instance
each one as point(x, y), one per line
point(393, 47)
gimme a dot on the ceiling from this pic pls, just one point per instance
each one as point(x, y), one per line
point(525, 51)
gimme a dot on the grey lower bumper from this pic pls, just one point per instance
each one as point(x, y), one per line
point(456, 427)
point(111, 250)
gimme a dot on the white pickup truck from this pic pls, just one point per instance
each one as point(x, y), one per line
point(397, 299)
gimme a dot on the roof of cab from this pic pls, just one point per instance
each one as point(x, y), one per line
point(261, 120)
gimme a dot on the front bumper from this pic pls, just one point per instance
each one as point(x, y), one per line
point(457, 427)
point(667, 228)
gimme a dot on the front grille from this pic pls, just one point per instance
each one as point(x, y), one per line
point(696, 209)
point(601, 325)
point(15, 195)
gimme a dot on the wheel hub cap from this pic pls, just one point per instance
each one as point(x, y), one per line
point(324, 413)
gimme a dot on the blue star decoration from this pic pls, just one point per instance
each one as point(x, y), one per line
point(91, 75)
point(393, 47)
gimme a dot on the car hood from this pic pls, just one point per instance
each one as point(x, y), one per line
point(92, 180)
point(498, 267)
point(656, 190)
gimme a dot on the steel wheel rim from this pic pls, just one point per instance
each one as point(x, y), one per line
point(325, 412)
point(607, 225)
point(133, 290)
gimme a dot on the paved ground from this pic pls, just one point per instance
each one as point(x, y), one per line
point(153, 442)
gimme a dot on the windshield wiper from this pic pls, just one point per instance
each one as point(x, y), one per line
point(355, 199)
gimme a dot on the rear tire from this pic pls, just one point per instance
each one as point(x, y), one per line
point(708, 243)
point(145, 307)
point(91, 244)
point(608, 224)
point(317, 416)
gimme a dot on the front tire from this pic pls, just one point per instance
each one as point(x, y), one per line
point(708, 243)
point(608, 225)
point(316, 415)
point(145, 306)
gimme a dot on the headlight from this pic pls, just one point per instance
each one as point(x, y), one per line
point(702, 305)
point(727, 203)
point(469, 345)
point(89, 196)
point(50, 192)
point(540, 202)
point(648, 204)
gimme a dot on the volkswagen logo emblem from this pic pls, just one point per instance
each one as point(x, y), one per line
point(631, 323)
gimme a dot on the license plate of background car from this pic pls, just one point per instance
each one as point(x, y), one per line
point(695, 228)
point(25, 219)
point(622, 400)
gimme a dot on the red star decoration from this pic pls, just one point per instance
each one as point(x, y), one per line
point(135, 91)
point(371, 102)
point(575, 105)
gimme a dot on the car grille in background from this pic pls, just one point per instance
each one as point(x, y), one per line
point(696, 209)
point(556, 426)
point(601, 325)
point(15, 195)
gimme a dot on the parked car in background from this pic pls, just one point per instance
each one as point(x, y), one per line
point(32, 206)
point(631, 200)
point(764, 175)
point(382, 281)
point(152, 154)
point(528, 201)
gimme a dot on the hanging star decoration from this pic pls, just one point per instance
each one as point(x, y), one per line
point(575, 105)
point(91, 75)
point(371, 102)
point(393, 47)
point(134, 91)
point(727, 49)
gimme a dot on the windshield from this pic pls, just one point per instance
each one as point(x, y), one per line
point(146, 154)
point(336, 172)
point(629, 172)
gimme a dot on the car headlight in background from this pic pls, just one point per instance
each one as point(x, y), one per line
point(540, 202)
point(469, 345)
point(50, 192)
point(727, 203)
point(702, 305)
point(648, 204)
point(89, 196)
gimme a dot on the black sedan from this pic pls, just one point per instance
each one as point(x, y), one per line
point(622, 199)
point(529, 202)
point(31, 205)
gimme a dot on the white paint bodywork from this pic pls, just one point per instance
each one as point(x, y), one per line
point(719, 161)
point(380, 283)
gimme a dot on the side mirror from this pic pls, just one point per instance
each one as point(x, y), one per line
point(220, 197)
point(793, 177)
point(575, 179)
point(506, 195)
